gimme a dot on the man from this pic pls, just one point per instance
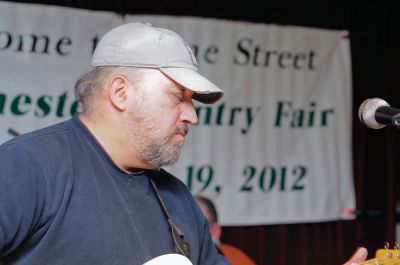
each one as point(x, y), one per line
point(233, 254)
point(81, 192)
point(91, 190)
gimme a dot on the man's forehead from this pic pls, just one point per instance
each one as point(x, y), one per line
point(178, 88)
point(154, 77)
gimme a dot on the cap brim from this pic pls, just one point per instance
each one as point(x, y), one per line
point(204, 91)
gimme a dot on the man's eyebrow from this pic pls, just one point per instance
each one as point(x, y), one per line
point(176, 89)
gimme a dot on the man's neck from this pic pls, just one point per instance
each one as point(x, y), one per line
point(111, 137)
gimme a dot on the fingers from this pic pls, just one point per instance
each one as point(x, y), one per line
point(359, 255)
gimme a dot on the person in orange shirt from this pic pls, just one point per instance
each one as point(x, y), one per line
point(233, 254)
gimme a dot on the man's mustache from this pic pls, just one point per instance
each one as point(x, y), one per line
point(182, 129)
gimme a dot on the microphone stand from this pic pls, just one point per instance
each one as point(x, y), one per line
point(387, 115)
point(396, 120)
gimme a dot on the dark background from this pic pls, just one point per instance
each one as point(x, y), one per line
point(375, 66)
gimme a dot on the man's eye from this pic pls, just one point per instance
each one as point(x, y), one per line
point(179, 97)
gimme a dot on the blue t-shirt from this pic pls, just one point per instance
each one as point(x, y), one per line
point(64, 201)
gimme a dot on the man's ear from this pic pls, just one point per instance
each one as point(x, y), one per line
point(117, 92)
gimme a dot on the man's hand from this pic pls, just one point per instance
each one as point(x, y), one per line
point(358, 256)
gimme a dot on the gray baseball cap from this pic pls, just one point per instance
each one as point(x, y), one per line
point(144, 46)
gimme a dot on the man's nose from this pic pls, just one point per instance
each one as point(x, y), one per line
point(189, 114)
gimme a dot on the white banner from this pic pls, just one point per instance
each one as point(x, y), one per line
point(275, 149)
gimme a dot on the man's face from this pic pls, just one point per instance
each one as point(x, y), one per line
point(205, 212)
point(215, 228)
point(159, 118)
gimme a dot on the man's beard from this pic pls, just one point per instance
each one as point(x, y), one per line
point(158, 151)
point(152, 146)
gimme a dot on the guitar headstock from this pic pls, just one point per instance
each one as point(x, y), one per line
point(385, 256)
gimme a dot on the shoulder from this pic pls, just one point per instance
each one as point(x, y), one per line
point(236, 255)
point(38, 138)
point(36, 156)
point(30, 148)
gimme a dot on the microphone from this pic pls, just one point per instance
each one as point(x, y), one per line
point(375, 113)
